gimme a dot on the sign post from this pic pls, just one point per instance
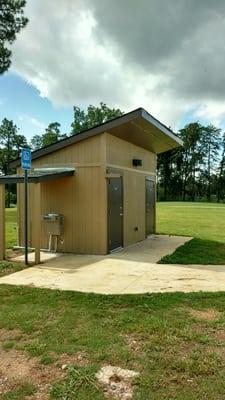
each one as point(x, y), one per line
point(26, 165)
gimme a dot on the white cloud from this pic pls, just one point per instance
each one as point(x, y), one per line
point(166, 56)
point(28, 119)
point(211, 112)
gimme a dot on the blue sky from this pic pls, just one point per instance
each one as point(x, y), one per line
point(22, 103)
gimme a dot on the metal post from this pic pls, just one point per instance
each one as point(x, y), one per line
point(26, 215)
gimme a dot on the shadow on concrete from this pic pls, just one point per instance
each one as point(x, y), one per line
point(148, 251)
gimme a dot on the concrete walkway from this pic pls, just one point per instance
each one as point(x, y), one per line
point(132, 270)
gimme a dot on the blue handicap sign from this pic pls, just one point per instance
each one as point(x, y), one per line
point(26, 159)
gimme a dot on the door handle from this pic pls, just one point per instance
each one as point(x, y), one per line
point(121, 214)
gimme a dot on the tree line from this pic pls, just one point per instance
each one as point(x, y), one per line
point(11, 141)
point(195, 171)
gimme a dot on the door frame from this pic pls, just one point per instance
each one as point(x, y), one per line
point(122, 219)
point(154, 221)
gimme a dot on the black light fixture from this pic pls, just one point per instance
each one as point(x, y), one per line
point(137, 162)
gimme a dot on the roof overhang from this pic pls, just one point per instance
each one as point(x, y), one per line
point(147, 132)
point(138, 127)
point(38, 175)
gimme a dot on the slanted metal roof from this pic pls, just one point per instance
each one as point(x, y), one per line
point(38, 175)
point(138, 127)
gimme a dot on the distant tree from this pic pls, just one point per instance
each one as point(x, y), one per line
point(221, 173)
point(83, 120)
point(10, 144)
point(19, 142)
point(192, 151)
point(12, 21)
point(164, 164)
point(211, 144)
point(52, 135)
point(36, 142)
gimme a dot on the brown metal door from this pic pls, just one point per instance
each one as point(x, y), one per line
point(115, 214)
point(150, 207)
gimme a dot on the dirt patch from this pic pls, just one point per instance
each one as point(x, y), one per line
point(218, 350)
point(12, 253)
point(186, 350)
point(117, 382)
point(17, 368)
point(133, 342)
point(7, 335)
point(219, 336)
point(79, 359)
point(208, 315)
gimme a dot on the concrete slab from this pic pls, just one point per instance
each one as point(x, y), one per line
point(44, 256)
point(132, 270)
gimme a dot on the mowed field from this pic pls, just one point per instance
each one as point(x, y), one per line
point(203, 221)
point(52, 343)
point(11, 227)
point(200, 220)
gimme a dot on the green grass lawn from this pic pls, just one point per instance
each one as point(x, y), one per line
point(200, 220)
point(7, 268)
point(175, 341)
point(203, 221)
point(197, 251)
point(11, 226)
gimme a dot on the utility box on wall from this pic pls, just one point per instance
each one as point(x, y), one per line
point(54, 223)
